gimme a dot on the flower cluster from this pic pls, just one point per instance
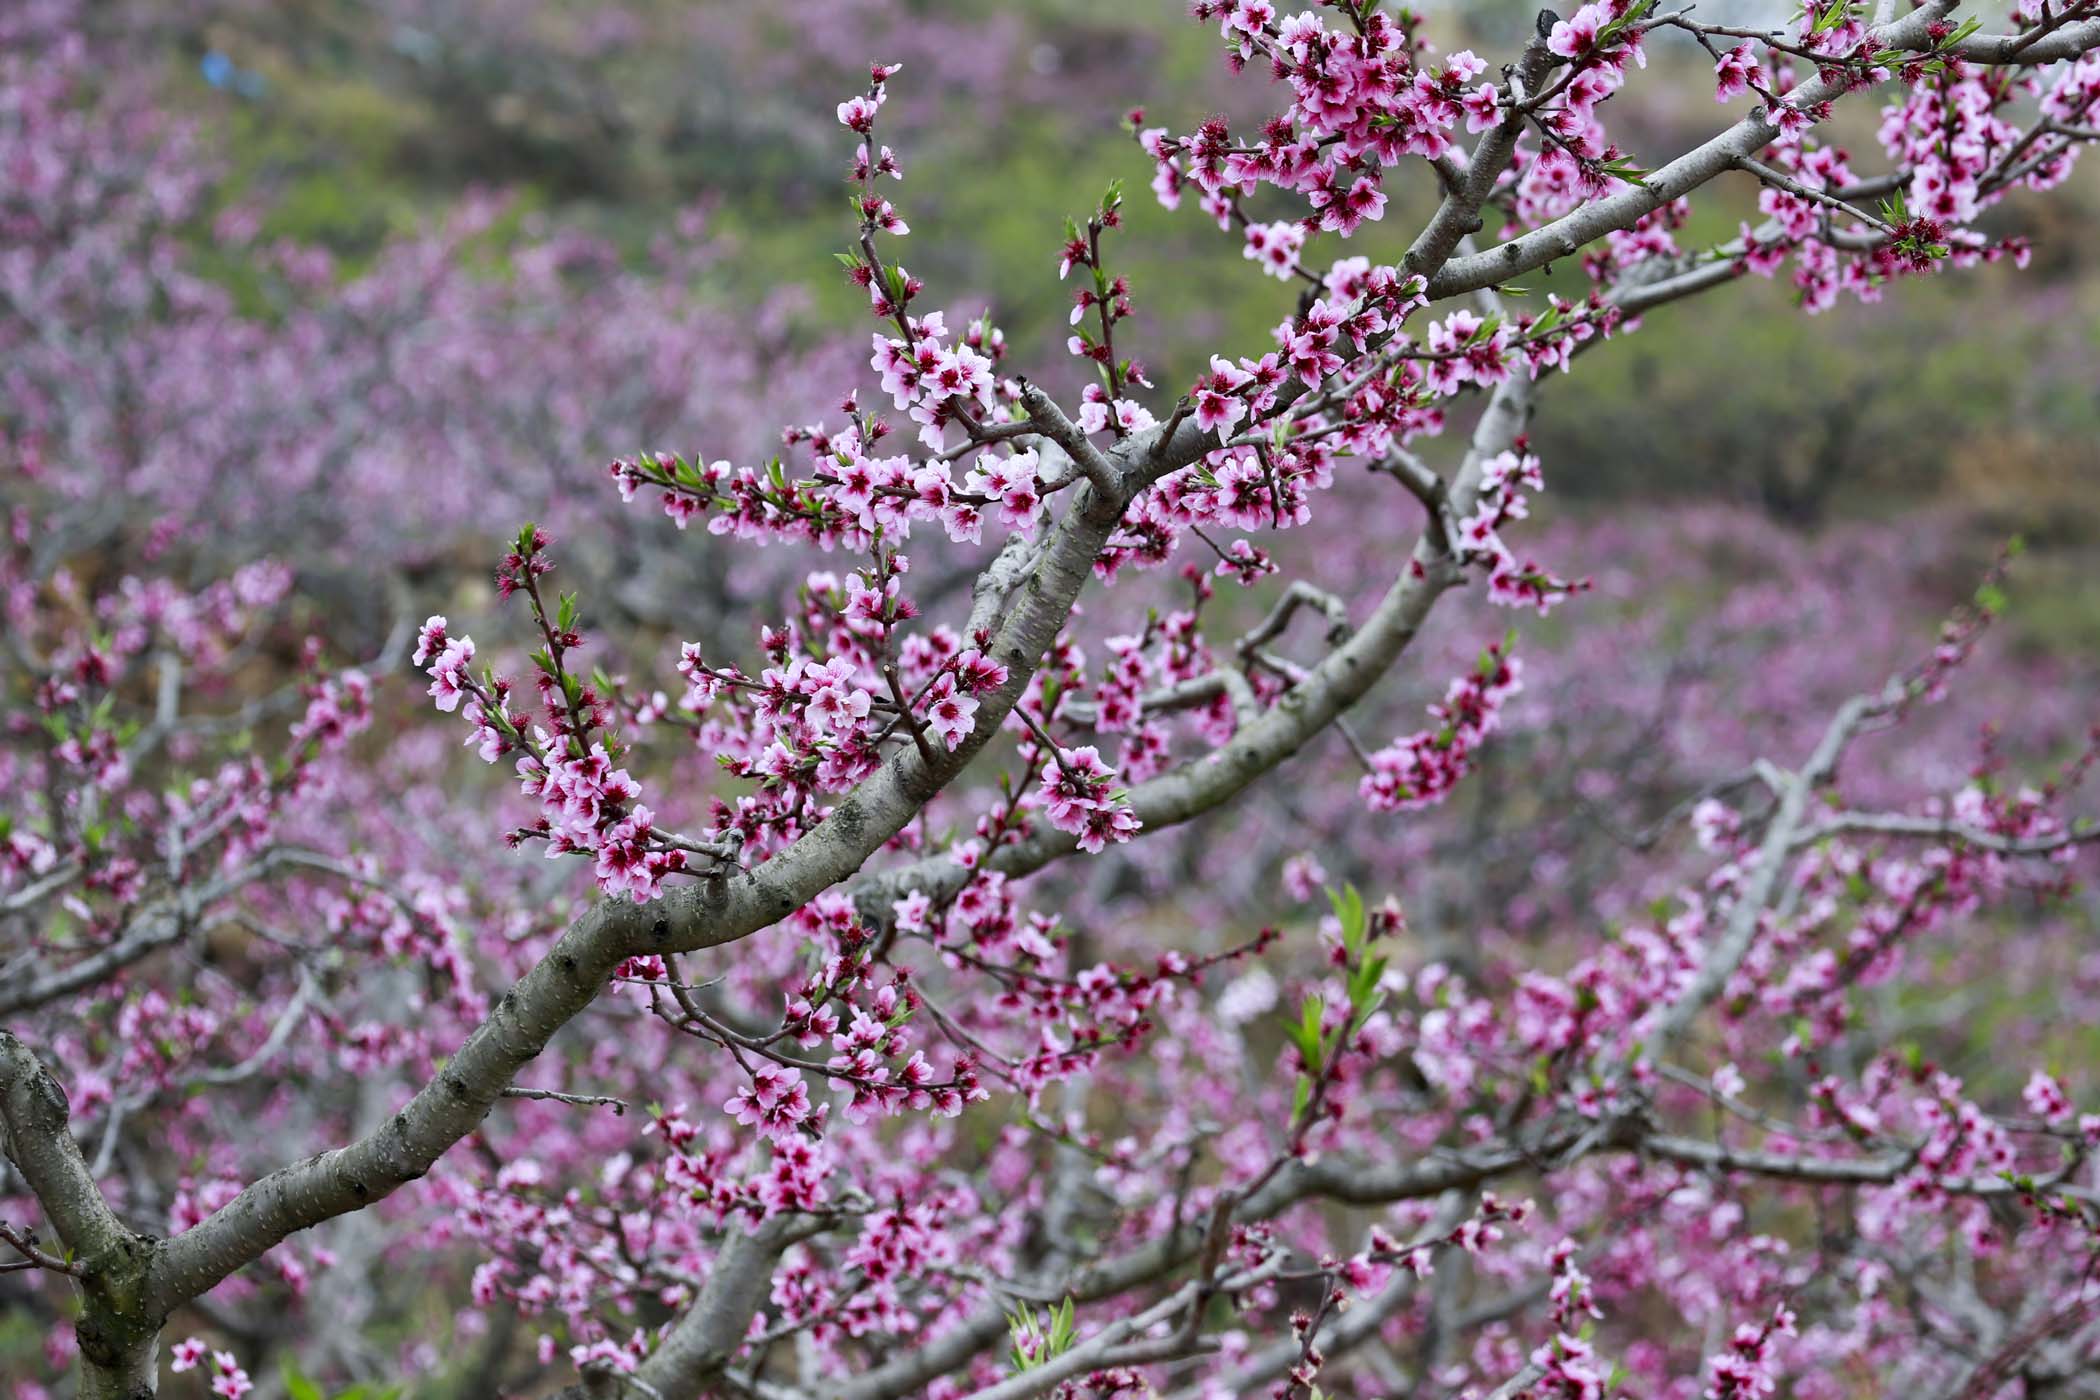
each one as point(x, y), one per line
point(588, 805)
point(227, 1377)
point(1079, 796)
point(1421, 769)
point(924, 1072)
point(1504, 480)
point(1359, 106)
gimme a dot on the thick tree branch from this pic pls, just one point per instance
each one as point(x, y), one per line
point(703, 914)
point(1340, 679)
point(705, 1337)
point(1940, 829)
point(2067, 41)
point(1831, 1171)
point(1044, 413)
point(1458, 215)
point(1569, 234)
point(445, 1110)
point(120, 1325)
point(39, 1141)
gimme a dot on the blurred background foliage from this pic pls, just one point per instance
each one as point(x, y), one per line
point(1760, 444)
point(1848, 473)
point(352, 120)
point(1835, 480)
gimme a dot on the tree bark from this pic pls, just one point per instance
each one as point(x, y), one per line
point(127, 1371)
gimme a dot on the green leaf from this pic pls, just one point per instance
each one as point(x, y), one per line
point(1831, 18)
point(1364, 997)
point(1348, 906)
point(1020, 1326)
point(1370, 1008)
point(1305, 1033)
point(1626, 170)
point(1028, 1335)
point(1968, 26)
point(297, 1386)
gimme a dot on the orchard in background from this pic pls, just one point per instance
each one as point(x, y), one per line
point(887, 1016)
